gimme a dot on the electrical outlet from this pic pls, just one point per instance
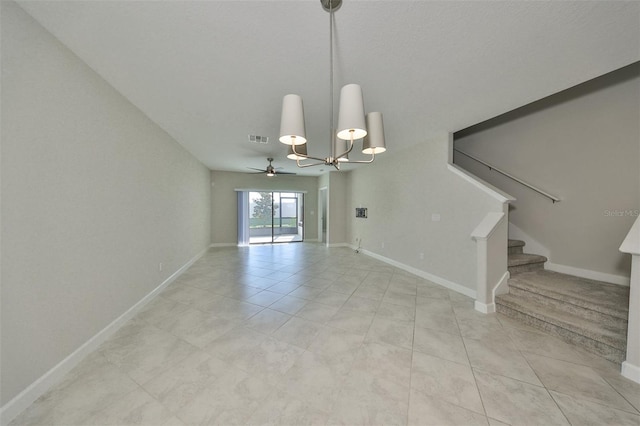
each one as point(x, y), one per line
point(421, 256)
point(435, 217)
point(382, 245)
point(160, 267)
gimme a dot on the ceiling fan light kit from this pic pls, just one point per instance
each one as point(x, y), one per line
point(270, 171)
point(352, 122)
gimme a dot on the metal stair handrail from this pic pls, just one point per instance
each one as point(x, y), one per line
point(553, 198)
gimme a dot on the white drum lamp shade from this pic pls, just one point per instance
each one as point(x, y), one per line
point(373, 142)
point(351, 123)
point(300, 149)
point(292, 130)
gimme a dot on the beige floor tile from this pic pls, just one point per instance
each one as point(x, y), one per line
point(440, 344)
point(431, 411)
point(234, 343)
point(229, 400)
point(625, 387)
point(443, 320)
point(89, 388)
point(576, 380)
point(160, 309)
point(232, 309)
point(178, 385)
point(336, 347)
point(265, 298)
point(450, 381)
point(535, 342)
point(188, 295)
point(146, 354)
point(280, 409)
point(582, 412)
point(314, 381)
point(369, 291)
point(365, 399)
point(396, 312)
point(197, 327)
point(306, 292)
point(361, 304)
point(289, 304)
point(283, 287)
point(267, 321)
point(398, 333)
point(345, 340)
point(298, 331)
point(398, 298)
point(317, 312)
point(134, 408)
point(492, 356)
point(432, 291)
point(388, 362)
point(269, 361)
point(353, 321)
point(331, 298)
point(238, 292)
point(517, 403)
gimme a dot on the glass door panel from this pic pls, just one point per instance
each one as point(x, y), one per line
point(275, 217)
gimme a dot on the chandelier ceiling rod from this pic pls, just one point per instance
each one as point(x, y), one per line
point(352, 122)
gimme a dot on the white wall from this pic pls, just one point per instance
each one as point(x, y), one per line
point(224, 201)
point(94, 197)
point(582, 145)
point(401, 192)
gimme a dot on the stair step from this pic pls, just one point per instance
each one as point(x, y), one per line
point(515, 246)
point(523, 292)
point(516, 243)
point(524, 262)
point(605, 340)
point(598, 296)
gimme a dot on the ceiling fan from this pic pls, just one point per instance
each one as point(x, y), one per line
point(270, 170)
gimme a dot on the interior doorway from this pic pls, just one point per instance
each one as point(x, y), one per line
point(276, 217)
point(322, 201)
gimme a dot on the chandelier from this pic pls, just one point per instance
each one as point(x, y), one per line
point(353, 124)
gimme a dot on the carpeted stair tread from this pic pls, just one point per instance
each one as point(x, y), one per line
point(520, 259)
point(516, 243)
point(614, 336)
point(602, 297)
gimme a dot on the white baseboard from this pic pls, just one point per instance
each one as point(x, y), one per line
point(501, 288)
point(485, 308)
point(52, 377)
point(591, 275)
point(338, 245)
point(426, 275)
point(630, 371)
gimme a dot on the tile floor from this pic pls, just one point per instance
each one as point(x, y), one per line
point(300, 334)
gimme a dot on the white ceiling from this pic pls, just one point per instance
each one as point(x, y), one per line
point(211, 73)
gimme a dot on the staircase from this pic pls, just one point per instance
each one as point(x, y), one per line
point(588, 313)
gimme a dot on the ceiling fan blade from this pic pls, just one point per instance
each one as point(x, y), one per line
point(285, 173)
point(261, 170)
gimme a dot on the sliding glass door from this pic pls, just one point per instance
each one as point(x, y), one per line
point(275, 217)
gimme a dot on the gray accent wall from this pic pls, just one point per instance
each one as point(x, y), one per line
point(94, 197)
point(582, 145)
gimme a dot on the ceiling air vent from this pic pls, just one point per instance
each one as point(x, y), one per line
point(258, 139)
